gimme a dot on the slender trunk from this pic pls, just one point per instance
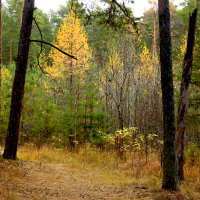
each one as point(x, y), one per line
point(75, 123)
point(120, 117)
point(184, 93)
point(135, 111)
point(155, 49)
point(11, 51)
point(169, 154)
point(10, 150)
point(128, 103)
point(154, 37)
point(76, 107)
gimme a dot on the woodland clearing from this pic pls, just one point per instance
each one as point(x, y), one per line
point(50, 173)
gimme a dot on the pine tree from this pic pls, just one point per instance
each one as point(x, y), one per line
point(169, 156)
point(10, 151)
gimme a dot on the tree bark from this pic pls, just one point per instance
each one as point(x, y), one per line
point(10, 150)
point(184, 93)
point(169, 155)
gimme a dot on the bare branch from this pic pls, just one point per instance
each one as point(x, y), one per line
point(38, 57)
point(40, 41)
point(41, 49)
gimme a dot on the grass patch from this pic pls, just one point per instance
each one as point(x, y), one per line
point(107, 165)
point(107, 168)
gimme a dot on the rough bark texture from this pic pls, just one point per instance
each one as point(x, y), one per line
point(169, 155)
point(184, 93)
point(10, 150)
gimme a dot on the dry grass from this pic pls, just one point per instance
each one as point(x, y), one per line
point(109, 169)
point(191, 185)
point(87, 159)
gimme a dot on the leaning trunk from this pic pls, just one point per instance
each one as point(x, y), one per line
point(10, 150)
point(184, 93)
point(169, 156)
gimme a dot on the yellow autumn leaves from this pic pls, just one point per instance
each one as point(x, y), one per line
point(72, 39)
point(5, 73)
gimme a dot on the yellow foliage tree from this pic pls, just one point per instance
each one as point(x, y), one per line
point(71, 38)
point(114, 78)
point(145, 72)
point(113, 70)
point(70, 73)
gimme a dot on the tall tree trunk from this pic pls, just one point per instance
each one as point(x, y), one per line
point(184, 93)
point(169, 154)
point(10, 150)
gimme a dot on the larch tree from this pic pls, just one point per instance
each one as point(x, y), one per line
point(169, 153)
point(71, 37)
point(10, 151)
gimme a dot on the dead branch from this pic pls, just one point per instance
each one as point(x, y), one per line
point(57, 48)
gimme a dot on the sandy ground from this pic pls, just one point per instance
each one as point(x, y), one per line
point(43, 181)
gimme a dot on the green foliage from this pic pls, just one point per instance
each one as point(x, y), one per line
point(11, 22)
point(193, 153)
point(52, 113)
point(57, 16)
point(127, 140)
point(193, 119)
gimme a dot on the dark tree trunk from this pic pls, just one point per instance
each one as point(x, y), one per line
point(184, 93)
point(169, 154)
point(10, 150)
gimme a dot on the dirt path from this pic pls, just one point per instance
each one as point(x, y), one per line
point(29, 180)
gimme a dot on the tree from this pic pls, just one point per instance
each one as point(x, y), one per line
point(71, 37)
point(11, 22)
point(114, 80)
point(45, 26)
point(10, 150)
point(169, 155)
point(192, 112)
point(184, 93)
point(57, 17)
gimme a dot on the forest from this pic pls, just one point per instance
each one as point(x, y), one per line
point(93, 88)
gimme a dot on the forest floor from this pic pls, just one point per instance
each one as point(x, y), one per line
point(49, 175)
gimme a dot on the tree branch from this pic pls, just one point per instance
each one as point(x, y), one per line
point(47, 43)
point(126, 13)
point(41, 37)
point(41, 49)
